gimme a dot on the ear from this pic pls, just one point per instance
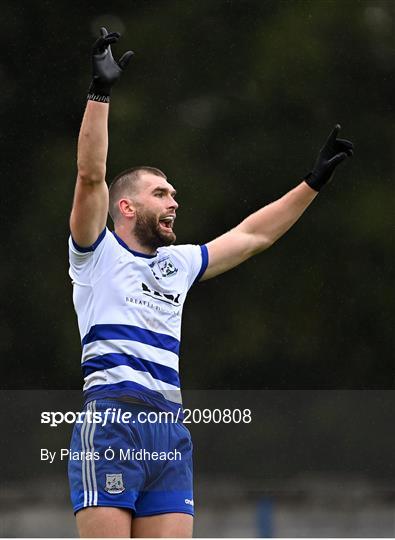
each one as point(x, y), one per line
point(127, 208)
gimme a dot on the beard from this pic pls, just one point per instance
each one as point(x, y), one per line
point(149, 232)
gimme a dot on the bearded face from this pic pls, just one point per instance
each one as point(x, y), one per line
point(153, 230)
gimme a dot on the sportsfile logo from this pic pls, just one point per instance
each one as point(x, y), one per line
point(111, 415)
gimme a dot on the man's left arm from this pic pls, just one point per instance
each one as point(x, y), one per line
point(261, 229)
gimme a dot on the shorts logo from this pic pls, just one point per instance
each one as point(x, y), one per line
point(189, 501)
point(114, 484)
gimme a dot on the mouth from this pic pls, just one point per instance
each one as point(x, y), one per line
point(166, 223)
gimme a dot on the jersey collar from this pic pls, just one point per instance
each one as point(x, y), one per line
point(136, 253)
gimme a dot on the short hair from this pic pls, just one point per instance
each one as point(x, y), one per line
point(125, 184)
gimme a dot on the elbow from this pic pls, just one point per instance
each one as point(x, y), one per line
point(262, 243)
point(94, 175)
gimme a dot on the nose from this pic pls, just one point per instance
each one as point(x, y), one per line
point(173, 203)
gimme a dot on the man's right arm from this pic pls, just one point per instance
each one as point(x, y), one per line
point(90, 206)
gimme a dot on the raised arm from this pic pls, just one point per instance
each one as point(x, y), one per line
point(90, 205)
point(261, 229)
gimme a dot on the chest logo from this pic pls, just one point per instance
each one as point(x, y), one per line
point(173, 299)
point(165, 266)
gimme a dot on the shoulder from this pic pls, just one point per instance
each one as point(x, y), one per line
point(183, 252)
point(193, 258)
point(91, 260)
point(106, 242)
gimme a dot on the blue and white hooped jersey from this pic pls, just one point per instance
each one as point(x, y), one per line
point(129, 307)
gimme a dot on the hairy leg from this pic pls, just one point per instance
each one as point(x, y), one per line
point(174, 525)
point(104, 522)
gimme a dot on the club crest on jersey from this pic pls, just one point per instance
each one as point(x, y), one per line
point(114, 484)
point(166, 267)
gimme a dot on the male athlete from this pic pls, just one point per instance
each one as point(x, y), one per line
point(129, 289)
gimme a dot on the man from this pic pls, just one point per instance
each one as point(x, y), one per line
point(129, 291)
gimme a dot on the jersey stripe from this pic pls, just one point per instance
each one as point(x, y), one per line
point(203, 268)
point(133, 389)
point(108, 361)
point(124, 373)
point(123, 346)
point(133, 333)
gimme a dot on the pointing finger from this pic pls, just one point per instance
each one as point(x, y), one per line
point(334, 132)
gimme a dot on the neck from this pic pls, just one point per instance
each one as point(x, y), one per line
point(131, 241)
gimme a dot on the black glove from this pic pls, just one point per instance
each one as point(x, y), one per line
point(105, 70)
point(331, 154)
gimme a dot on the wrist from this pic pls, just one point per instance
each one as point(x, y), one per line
point(314, 181)
point(305, 182)
point(97, 97)
point(98, 93)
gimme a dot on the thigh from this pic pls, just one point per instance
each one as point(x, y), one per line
point(104, 522)
point(174, 525)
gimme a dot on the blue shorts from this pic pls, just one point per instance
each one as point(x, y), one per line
point(142, 465)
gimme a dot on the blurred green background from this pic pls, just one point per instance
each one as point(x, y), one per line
point(232, 99)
